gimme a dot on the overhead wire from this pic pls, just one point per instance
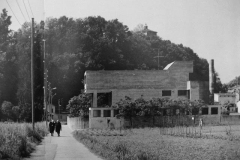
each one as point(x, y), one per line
point(13, 13)
point(30, 8)
point(21, 10)
point(26, 10)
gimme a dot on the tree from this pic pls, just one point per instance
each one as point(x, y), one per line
point(218, 86)
point(25, 112)
point(79, 105)
point(8, 58)
point(139, 28)
point(7, 109)
point(16, 113)
point(233, 82)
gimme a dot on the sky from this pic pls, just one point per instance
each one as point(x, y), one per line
point(210, 27)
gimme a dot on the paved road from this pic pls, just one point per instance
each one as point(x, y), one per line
point(64, 147)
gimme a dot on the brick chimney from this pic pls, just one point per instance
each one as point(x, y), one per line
point(211, 81)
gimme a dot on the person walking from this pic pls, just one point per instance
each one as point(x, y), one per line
point(51, 127)
point(58, 127)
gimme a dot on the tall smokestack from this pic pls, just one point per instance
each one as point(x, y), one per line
point(211, 81)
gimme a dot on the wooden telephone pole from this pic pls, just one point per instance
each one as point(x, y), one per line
point(32, 72)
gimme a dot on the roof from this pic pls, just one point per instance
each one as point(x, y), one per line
point(224, 93)
point(168, 66)
point(148, 30)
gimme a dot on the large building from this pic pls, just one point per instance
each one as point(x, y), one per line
point(173, 82)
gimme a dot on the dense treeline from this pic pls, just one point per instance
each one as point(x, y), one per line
point(233, 83)
point(72, 47)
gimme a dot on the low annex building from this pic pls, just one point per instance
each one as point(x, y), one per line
point(173, 82)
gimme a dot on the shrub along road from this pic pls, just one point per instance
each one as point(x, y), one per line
point(64, 147)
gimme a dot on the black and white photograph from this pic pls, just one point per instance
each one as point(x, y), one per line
point(119, 80)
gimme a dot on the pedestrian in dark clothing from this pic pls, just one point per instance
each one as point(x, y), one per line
point(58, 127)
point(51, 127)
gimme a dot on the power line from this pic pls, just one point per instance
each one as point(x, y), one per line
point(30, 8)
point(13, 12)
point(21, 10)
point(26, 10)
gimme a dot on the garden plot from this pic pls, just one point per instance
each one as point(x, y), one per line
point(153, 143)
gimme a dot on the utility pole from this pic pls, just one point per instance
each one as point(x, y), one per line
point(45, 74)
point(45, 66)
point(32, 73)
point(45, 80)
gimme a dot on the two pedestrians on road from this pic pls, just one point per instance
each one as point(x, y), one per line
point(55, 126)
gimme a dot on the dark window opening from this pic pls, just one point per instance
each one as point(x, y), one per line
point(106, 113)
point(104, 99)
point(96, 113)
point(182, 93)
point(166, 93)
point(214, 110)
point(204, 111)
point(188, 94)
point(116, 112)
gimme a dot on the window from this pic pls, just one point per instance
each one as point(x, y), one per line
point(96, 113)
point(104, 99)
point(166, 93)
point(106, 113)
point(182, 92)
point(214, 110)
point(204, 111)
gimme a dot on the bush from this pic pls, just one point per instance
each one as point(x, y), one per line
point(18, 139)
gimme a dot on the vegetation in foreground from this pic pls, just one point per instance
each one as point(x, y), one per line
point(154, 144)
point(19, 139)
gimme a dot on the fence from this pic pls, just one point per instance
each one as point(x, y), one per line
point(185, 120)
point(77, 122)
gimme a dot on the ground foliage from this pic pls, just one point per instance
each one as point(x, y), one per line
point(18, 140)
point(154, 107)
point(128, 108)
point(151, 143)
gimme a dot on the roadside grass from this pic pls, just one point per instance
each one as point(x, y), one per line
point(18, 140)
point(155, 144)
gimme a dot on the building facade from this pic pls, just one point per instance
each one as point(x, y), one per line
point(171, 82)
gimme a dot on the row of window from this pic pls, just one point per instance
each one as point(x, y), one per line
point(106, 113)
point(169, 93)
point(165, 112)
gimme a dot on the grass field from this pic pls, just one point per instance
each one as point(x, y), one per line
point(18, 140)
point(215, 143)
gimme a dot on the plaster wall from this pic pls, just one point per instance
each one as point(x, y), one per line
point(106, 123)
point(224, 98)
point(198, 90)
point(175, 76)
point(99, 121)
point(137, 83)
point(77, 123)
